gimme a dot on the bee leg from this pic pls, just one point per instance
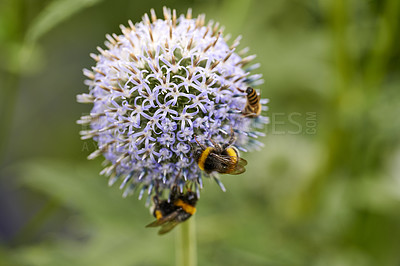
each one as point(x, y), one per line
point(233, 137)
point(231, 140)
point(156, 189)
point(176, 177)
point(250, 115)
point(192, 147)
point(174, 189)
point(234, 111)
point(156, 200)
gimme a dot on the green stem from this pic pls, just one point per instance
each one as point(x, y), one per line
point(186, 250)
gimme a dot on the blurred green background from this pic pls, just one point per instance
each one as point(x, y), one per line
point(325, 189)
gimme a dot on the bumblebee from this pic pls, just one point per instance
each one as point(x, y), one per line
point(177, 209)
point(223, 159)
point(253, 105)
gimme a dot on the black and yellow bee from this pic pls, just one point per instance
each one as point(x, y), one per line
point(253, 106)
point(177, 209)
point(223, 159)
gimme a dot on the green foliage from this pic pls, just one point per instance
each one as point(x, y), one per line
point(323, 191)
point(53, 14)
point(102, 225)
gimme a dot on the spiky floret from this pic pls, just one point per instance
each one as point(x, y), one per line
point(156, 86)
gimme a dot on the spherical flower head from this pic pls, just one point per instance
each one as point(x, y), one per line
point(159, 87)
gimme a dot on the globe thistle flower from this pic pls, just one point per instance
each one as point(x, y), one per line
point(157, 86)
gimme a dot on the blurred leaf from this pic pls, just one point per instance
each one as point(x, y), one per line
point(111, 229)
point(79, 188)
point(22, 58)
point(55, 13)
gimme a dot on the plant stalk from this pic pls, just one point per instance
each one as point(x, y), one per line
point(186, 248)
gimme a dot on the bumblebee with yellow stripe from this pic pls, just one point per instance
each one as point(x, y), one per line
point(223, 159)
point(177, 209)
point(253, 106)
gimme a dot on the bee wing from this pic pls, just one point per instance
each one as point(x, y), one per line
point(163, 220)
point(227, 158)
point(239, 168)
point(166, 227)
point(242, 162)
point(222, 158)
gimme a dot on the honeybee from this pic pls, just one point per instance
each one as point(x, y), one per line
point(253, 105)
point(177, 209)
point(223, 159)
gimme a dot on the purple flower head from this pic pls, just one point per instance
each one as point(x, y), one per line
point(156, 86)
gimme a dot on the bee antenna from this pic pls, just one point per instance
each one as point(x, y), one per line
point(240, 89)
point(201, 145)
point(213, 142)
